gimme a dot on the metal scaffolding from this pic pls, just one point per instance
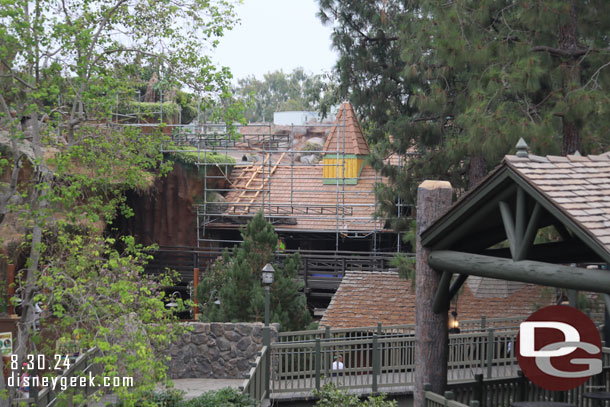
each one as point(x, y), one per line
point(266, 172)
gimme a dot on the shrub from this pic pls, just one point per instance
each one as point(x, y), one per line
point(330, 396)
point(165, 398)
point(226, 397)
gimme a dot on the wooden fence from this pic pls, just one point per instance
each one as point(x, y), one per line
point(432, 399)
point(384, 361)
point(477, 325)
point(491, 392)
point(256, 385)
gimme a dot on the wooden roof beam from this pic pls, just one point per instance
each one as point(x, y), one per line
point(526, 271)
point(570, 251)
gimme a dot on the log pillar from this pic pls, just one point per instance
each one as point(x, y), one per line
point(431, 331)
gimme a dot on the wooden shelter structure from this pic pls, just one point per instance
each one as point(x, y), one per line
point(491, 233)
point(523, 195)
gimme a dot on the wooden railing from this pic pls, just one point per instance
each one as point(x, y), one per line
point(491, 392)
point(321, 271)
point(470, 326)
point(346, 333)
point(384, 361)
point(256, 385)
point(432, 399)
point(49, 397)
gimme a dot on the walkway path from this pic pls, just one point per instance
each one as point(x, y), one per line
point(196, 387)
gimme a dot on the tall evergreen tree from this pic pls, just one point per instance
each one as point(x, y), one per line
point(232, 291)
point(477, 75)
point(369, 68)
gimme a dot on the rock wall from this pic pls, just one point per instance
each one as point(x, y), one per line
point(165, 214)
point(217, 350)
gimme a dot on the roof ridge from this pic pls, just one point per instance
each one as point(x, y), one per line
point(355, 141)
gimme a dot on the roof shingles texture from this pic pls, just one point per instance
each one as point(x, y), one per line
point(347, 136)
point(301, 188)
point(366, 298)
point(578, 185)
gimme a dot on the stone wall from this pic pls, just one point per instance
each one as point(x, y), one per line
point(217, 350)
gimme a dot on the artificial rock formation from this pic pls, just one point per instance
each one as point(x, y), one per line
point(217, 350)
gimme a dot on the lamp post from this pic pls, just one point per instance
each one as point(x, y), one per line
point(267, 277)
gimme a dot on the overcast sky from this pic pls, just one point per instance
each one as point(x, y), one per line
point(276, 34)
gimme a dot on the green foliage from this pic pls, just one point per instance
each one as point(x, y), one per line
point(100, 297)
point(151, 110)
point(63, 69)
point(235, 281)
point(330, 396)
point(405, 266)
point(279, 92)
point(460, 82)
point(226, 397)
point(166, 398)
point(190, 157)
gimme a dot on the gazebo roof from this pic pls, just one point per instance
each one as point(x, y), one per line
point(573, 193)
point(491, 231)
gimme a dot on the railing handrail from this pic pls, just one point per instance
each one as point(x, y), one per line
point(439, 400)
point(346, 330)
point(255, 384)
point(49, 396)
point(314, 333)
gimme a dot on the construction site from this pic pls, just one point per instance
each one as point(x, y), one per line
point(311, 181)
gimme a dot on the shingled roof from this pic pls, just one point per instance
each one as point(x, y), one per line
point(577, 185)
point(346, 136)
point(298, 200)
point(573, 193)
point(366, 298)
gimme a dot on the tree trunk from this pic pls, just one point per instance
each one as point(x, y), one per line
point(570, 77)
point(431, 336)
point(477, 170)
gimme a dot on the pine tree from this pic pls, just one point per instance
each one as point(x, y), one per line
point(369, 68)
point(475, 76)
point(235, 282)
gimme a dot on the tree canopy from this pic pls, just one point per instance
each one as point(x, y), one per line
point(460, 82)
point(65, 166)
point(279, 92)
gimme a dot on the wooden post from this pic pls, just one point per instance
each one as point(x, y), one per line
point(431, 336)
point(195, 284)
point(318, 362)
point(478, 388)
point(490, 351)
point(521, 387)
point(607, 319)
point(376, 364)
point(11, 287)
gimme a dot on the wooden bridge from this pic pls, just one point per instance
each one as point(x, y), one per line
point(321, 271)
point(382, 359)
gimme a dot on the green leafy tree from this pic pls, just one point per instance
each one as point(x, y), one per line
point(279, 92)
point(233, 291)
point(62, 66)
